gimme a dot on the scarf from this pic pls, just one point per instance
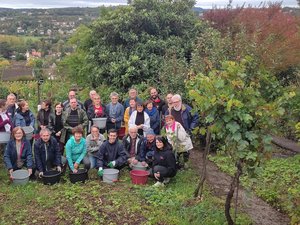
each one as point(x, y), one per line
point(152, 112)
point(156, 100)
point(172, 127)
point(5, 117)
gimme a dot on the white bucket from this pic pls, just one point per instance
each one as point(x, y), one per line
point(138, 166)
point(4, 137)
point(20, 177)
point(110, 175)
point(100, 122)
point(28, 132)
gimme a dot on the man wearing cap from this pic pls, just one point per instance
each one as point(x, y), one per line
point(148, 147)
point(111, 153)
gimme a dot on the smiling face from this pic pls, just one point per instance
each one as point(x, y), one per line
point(132, 93)
point(169, 98)
point(159, 144)
point(11, 100)
point(150, 106)
point(139, 108)
point(18, 135)
point(153, 93)
point(133, 132)
point(132, 103)
point(58, 108)
point(114, 99)
point(95, 132)
point(45, 136)
point(77, 136)
point(112, 136)
point(169, 121)
point(97, 100)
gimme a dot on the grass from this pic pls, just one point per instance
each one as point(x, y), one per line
point(96, 202)
point(277, 182)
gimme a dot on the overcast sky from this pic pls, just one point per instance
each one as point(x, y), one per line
point(95, 3)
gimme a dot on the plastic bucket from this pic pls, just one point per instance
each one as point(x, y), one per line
point(100, 122)
point(110, 175)
point(138, 166)
point(139, 176)
point(80, 176)
point(28, 132)
point(51, 177)
point(20, 177)
point(4, 137)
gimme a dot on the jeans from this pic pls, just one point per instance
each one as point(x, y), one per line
point(93, 161)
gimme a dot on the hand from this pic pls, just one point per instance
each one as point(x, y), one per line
point(58, 168)
point(58, 134)
point(10, 173)
point(134, 161)
point(144, 164)
point(75, 171)
point(43, 127)
point(111, 164)
point(41, 174)
point(100, 172)
point(157, 175)
point(76, 166)
point(30, 171)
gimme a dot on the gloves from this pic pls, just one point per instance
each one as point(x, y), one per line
point(58, 168)
point(112, 164)
point(100, 172)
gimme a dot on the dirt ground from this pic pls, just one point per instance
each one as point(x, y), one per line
point(260, 212)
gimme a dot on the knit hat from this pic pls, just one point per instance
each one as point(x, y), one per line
point(150, 132)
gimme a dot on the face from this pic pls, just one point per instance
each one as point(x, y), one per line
point(18, 135)
point(139, 108)
point(97, 100)
point(26, 107)
point(77, 136)
point(112, 137)
point(132, 103)
point(153, 93)
point(169, 121)
point(150, 106)
point(159, 144)
point(95, 132)
point(45, 136)
point(114, 99)
point(2, 108)
point(72, 94)
point(176, 102)
point(150, 138)
point(132, 93)
point(169, 98)
point(92, 94)
point(11, 100)
point(133, 132)
point(73, 103)
point(58, 108)
point(44, 106)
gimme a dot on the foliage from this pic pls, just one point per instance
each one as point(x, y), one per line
point(129, 44)
point(276, 182)
point(234, 101)
point(269, 34)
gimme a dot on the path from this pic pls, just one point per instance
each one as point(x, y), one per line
point(286, 144)
point(260, 212)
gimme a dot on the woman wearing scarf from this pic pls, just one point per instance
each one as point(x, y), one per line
point(128, 112)
point(153, 113)
point(140, 119)
point(5, 122)
point(24, 116)
point(179, 139)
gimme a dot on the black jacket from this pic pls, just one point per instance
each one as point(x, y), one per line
point(111, 152)
point(166, 158)
point(53, 154)
point(138, 148)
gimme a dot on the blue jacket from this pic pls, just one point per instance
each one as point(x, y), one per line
point(190, 121)
point(51, 154)
point(111, 152)
point(10, 155)
point(154, 120)
point(119, 114)
point(147, 151)
point(75, 152)
point(19, 120)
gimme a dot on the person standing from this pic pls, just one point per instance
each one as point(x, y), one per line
point(57, 127)
point(115, 112)
point(157, 101)
point(12, 106)
point(43, 116)
point(24, 116)
point(140, 119)
point(89, 101)
point(67, 103)
point(128, 112)
point(133, 94)
point(6, 124)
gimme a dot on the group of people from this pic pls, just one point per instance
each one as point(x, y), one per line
point(65, 128)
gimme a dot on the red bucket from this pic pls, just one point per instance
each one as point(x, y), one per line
point(139, 176)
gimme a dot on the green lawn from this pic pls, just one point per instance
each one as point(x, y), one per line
point(96, 202)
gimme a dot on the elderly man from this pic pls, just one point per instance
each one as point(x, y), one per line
point(147, 147)
point(133, 144)
point(72, 117)
point(132, 95)
point(111, 153)
point(71, 95)
point(114, 112)
point(47, 153)
point(89, 101)
point(12, 106)
point(182, 114)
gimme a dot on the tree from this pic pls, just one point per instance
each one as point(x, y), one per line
point(235, 104)
point(128, 44)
